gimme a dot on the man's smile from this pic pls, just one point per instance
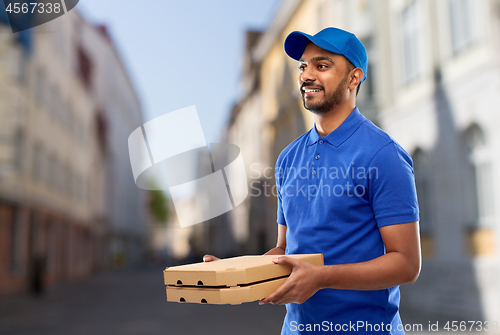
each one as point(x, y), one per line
point(310, 91)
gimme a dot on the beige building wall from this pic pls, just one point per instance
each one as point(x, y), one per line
point(56, 207)
point(46, 159)
point(442, 108)
point(118, 111)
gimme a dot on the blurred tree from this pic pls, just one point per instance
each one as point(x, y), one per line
point(158, 207)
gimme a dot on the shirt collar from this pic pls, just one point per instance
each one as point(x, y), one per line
point(342, 133)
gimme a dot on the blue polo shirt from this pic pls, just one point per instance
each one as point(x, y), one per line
point(334, 193)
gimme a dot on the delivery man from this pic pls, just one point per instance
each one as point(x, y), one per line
point(356, 205)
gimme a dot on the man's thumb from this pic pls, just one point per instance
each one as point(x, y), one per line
point(284, 260)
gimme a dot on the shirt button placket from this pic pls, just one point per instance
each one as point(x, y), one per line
point(317, 156)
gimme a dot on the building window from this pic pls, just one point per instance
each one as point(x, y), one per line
point(424, 193)
point(15, 241)
point(478, 179)
point(82, 188)
point(37, 162)
point(74, 186)
point(34, 231)
point(423, 183)
point(49, 99)
point(60, 176)
point(39, 86)
point(366, 90)
point(63, 113)
point(52, 171)
point(411, 29)
point(55, 103)
point(464, 24)
point(84, 68)
point(78, 131)
point(52, 245)
point(66, 180)
point(368, 84)
point(79, 188)
point(19, 140)
point(69, 183)
point(23, 65)
point(101, 129)
point(70, 118)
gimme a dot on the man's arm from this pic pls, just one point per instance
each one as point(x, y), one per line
point(400, 265)
point(281, 244)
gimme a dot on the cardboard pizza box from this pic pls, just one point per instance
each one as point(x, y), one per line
point(234, 271)
point(229, 281)
point(224, 295)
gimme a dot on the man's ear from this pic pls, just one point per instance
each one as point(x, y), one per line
point(355, 78)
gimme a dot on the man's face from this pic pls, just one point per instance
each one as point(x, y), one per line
point(323, 79)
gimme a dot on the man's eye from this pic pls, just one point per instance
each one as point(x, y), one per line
point(321, 66)
point(302, 67)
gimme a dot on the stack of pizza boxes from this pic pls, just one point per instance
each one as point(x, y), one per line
point(231, 280)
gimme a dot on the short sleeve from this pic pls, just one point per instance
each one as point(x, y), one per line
point(392, 191)
point(279, 181)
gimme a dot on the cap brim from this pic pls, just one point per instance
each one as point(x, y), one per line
point(296, 42)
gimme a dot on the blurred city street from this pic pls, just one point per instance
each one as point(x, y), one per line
point(133, 302)
point(129, 302)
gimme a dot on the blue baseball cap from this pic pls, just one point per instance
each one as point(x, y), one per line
point(331, 39)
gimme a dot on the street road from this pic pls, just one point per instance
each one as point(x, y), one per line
point(133, 302)
point(130, 302)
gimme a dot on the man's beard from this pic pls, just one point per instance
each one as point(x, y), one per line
point(330, 101)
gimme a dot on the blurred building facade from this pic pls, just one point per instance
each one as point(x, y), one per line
point(432, 84)
point(68, 204)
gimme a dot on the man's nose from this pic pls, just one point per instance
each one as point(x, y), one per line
point(307, 75)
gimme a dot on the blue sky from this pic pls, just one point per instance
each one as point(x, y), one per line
point(182, 53)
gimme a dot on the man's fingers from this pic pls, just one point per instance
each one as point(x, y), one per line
point(276, 295)
point(284, 260)
point(209, 258)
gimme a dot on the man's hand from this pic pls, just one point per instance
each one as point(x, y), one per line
point(209, 258)
point(300, 286)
